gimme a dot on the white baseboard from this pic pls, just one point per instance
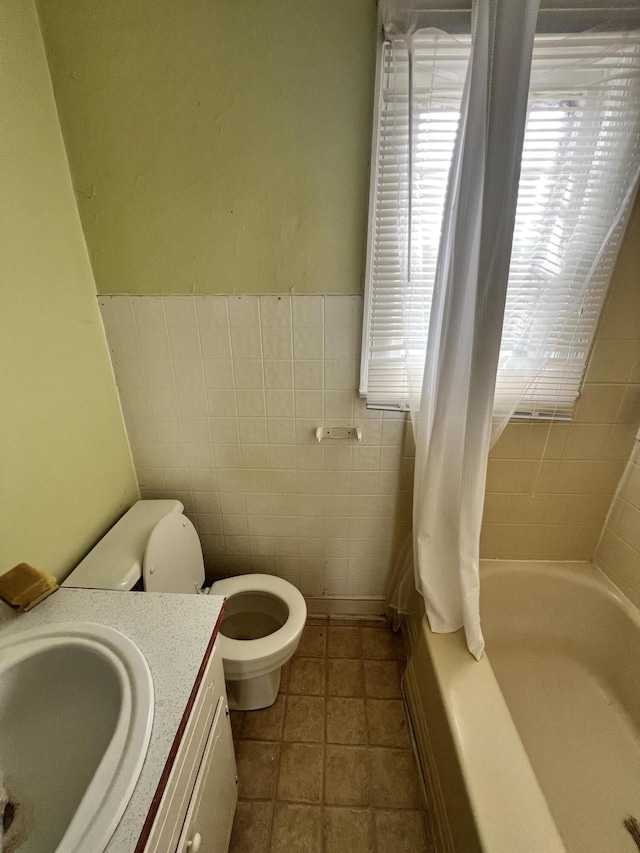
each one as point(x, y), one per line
point(357, 606)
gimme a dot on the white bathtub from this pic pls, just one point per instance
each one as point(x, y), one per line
point(536, 748)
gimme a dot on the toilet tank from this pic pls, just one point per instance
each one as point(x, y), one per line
point(116, 561)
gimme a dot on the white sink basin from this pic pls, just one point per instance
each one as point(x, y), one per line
point(76, 708)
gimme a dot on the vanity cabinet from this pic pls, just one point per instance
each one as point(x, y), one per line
point(195, 810)
point(210, 814)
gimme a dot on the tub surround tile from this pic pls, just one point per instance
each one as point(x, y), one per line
point(618, 550)
point(540, 491)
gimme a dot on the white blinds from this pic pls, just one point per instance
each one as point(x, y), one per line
point(580, 163)
point(400, 17)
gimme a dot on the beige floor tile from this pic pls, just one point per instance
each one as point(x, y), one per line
point(344, 642)
point(344, 677)
point(348, 831)
point(281, 753)
point(317, 620)
point(382, 679)
point(307, 676)
point(237, 719)
point(251, 827)
point(296, 829)
point(304, 719)
point(301, 771)
point(346, 780)
point(257, 769)
point(265, 724)
point(345, 623)
point(402, 832)
point(313, 642)
point(346, 722)
point(284, 677)
point(379, 644)
point(394, 779)
point(387, 723)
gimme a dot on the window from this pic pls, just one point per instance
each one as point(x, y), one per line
point(579, 168)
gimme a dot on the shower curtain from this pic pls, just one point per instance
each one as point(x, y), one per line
point(452, 409)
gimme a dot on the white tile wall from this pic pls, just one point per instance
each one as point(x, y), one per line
point(221, 397)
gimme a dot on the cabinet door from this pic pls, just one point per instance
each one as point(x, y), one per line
point(207, 826)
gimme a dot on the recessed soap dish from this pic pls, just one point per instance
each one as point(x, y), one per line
point(338, 432)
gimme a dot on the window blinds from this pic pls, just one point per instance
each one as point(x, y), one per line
point(580, 162)
point(400, 17)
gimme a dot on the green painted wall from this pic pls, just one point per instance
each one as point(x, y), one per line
point(217, 145)
point(65, 467)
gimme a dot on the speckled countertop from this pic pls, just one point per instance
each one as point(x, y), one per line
point(173, 632)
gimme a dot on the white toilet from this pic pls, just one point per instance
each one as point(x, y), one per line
point(154, 544)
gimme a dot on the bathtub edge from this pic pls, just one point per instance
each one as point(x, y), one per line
point(483, 800)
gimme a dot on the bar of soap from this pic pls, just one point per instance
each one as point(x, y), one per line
point(24, 586)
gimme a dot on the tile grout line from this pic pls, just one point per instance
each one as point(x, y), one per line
point(372, 816)
point(277, 772)
point(324, 701)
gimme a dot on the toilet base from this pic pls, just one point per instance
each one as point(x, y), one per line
point(251, 694)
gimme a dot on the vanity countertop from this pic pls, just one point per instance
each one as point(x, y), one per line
point(174, 632)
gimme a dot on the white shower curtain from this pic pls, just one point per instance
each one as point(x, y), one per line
point(457, 408)
point(452, 413)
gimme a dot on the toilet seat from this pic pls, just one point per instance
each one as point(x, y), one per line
point(250, 655)
point(173, 557)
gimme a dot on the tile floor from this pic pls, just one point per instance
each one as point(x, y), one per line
point(329, 767)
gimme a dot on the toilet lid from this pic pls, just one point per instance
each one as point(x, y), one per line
point(173, 557)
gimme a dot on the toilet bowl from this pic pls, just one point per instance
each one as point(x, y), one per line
point(261, 629)
point(264, 615)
